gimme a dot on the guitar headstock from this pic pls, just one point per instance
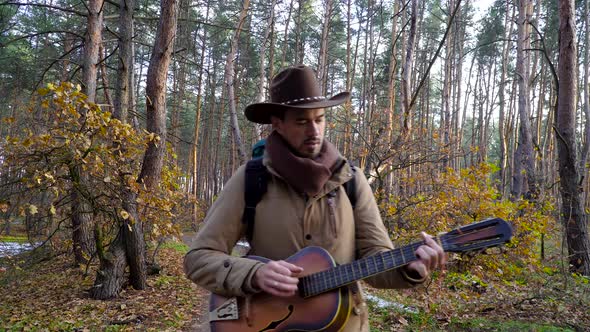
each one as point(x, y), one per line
point(484, 234)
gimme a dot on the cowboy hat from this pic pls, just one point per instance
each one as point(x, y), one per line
point(294, 87)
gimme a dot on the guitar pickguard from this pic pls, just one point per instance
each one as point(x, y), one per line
point(228, 310)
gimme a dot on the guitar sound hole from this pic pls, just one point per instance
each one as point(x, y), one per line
point(273, 325)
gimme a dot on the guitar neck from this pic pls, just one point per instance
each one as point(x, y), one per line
point(484, 234)
point(345, 274)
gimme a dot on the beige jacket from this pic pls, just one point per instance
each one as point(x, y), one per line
point(285, 223)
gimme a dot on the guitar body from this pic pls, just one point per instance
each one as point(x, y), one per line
point(263, 312)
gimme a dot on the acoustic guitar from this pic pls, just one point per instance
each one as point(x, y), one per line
point(323, 302)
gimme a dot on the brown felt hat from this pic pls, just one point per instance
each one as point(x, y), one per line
point(294, 87)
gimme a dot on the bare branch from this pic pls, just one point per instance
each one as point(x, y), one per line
point(39, 34)
point(431, 63)
point(67, 10)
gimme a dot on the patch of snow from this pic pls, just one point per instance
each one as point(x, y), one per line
point(381, 303)
point(13, 248)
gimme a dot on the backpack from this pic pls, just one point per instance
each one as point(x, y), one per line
point(256, 184)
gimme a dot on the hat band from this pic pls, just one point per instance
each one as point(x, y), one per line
point(288, 102)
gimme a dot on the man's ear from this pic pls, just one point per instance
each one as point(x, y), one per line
point(275, 122)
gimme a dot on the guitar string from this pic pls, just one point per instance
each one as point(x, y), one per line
point(329, 277)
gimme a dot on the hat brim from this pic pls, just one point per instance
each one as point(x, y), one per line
point(261, 112)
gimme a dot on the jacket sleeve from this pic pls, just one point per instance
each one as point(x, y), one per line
point(372, 237)
point(209, 263)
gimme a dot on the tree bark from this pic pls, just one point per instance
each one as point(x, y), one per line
point(195, 164)
point(572, 211)
point(502, 100)
point(91, 48)
point(524, 156)
point(286, 36)
point(125, 58)
point(586, 100)
point(110, 277)
point(129, 246)
point(299, 42)
point(156, 93)
point(82, 223)
point(153, 161)
point(323, 56)
point(447, 101)
point(230, 81)
point(262, 76)
point(406, 72)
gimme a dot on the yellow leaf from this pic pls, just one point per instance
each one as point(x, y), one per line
point(52, 209)
point(4, 206)
point(124, 214)
point(33, 209)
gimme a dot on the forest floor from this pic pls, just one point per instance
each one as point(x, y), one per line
point(53, 295)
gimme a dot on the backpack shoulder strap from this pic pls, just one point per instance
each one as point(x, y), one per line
point(350, 187)
point(255, 188)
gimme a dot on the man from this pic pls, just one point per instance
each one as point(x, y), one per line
point(305, 205)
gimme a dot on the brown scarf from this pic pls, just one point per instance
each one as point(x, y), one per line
point(306, 175)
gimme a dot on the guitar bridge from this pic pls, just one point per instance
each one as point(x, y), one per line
point(228, 310)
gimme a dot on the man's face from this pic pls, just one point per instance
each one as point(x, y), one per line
point(303, 129)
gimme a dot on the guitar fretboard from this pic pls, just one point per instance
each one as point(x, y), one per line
point(488, 233)
point(345, 274)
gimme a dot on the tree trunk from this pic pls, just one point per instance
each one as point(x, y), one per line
point(156, 93)
point(134, 242)
point(455, 147)
point(391, 91)
point(91, 48)
point(129, 246)
point(323, 56)
point(153, 161)
point(447, 101)
point(230, 81)
point(299, 43)
point(286, 35)
point(502, 100)
point(406, 72)
point(572, 212)
point(82, 223)
point(124, 85)
point(262, 76)
point(524, 156)
point(180, 78)
point(110, 277)
point(586, 99)
point(195, 189)
point(68, 48)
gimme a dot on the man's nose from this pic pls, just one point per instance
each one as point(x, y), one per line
point(313, 129)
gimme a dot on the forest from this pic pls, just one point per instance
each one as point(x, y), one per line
point(121, 121)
